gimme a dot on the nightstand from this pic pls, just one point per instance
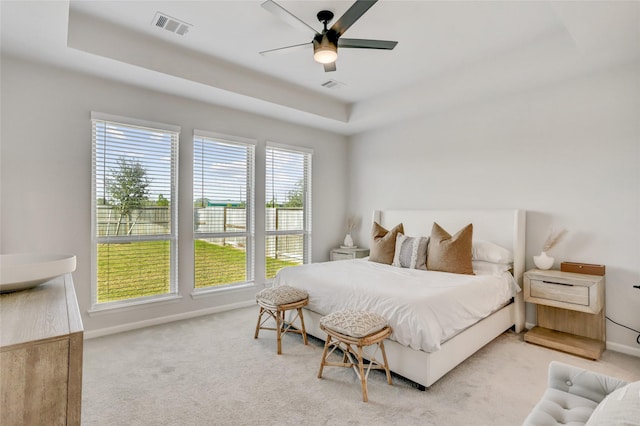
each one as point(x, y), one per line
point(348, 253)
point(571, 311)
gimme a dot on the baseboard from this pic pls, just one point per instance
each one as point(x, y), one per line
point(629, 350)
point(166, 319)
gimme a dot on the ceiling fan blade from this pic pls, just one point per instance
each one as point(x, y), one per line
point(352, 15)
point(330, 67)
point(360, 43)
point(286, 49)
point(287, 16)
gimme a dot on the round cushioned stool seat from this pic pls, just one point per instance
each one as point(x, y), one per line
point(282, 295)
point(354, 323)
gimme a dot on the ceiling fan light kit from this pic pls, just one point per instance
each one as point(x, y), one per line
point(325, 44)
point(324, 51)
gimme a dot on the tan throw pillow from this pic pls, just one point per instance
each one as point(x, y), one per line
point(383, 243)
point(450, 254)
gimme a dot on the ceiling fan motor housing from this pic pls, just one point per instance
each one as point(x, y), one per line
point(326, 36)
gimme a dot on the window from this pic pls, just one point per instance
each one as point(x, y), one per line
point(134, 209)
point(288, 207)
point(223, 180)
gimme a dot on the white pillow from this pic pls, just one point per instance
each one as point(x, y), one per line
point(490, 252)
point(480, 267)
point(620, 407)
point(411, 252)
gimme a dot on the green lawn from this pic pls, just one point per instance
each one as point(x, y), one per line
point(217, 264)
point(139, 269)
point(132, 270)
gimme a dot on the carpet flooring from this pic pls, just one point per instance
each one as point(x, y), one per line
point(211, 371)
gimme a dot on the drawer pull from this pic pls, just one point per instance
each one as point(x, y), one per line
point(553, 282)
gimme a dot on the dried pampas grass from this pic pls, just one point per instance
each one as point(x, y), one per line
point(353, 222)
point(553, 239)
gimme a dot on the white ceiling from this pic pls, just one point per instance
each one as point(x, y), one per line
point(448, 53)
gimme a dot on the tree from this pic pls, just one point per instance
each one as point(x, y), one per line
point(201, 202)
point(163, 202)
point(129, 189)
point(295, 196)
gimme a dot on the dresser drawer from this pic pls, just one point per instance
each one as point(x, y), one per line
point(560, 292)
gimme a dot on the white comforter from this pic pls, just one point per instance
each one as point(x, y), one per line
point(424, 308)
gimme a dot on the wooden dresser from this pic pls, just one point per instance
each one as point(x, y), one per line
point(41, 340)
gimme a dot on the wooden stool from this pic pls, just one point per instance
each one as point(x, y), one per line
point(350, 331)
point(275, 301)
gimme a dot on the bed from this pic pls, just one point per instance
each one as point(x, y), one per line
point(428, 340)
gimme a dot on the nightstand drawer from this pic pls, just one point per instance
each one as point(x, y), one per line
point(348, 253)
point(566, 290)
point(560, 292)
point(342, 256)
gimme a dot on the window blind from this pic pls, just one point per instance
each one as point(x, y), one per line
point(223, 191)
point(288, 207)
point(134, 208)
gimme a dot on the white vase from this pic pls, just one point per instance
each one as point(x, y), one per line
point(543, 261)
point(348, 241)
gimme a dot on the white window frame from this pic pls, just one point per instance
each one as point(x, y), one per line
point(172, 237)
point(249, 233)
point(306, 232)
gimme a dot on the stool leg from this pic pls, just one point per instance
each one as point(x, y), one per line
point(363, 378)
point(386, 364)
point(279, 331)
point(304, 331)
point(324, 355)
point(258, 325)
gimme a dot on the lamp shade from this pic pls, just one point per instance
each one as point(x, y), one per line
point(324, 52)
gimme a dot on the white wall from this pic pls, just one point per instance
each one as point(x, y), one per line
point(46, 175)
point(569, 154)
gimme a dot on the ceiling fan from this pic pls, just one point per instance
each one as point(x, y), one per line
point(326, 43)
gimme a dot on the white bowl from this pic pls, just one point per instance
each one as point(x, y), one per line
point(22, 271)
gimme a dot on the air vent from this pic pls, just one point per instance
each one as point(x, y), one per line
point(176, 26)
point(332, 84)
